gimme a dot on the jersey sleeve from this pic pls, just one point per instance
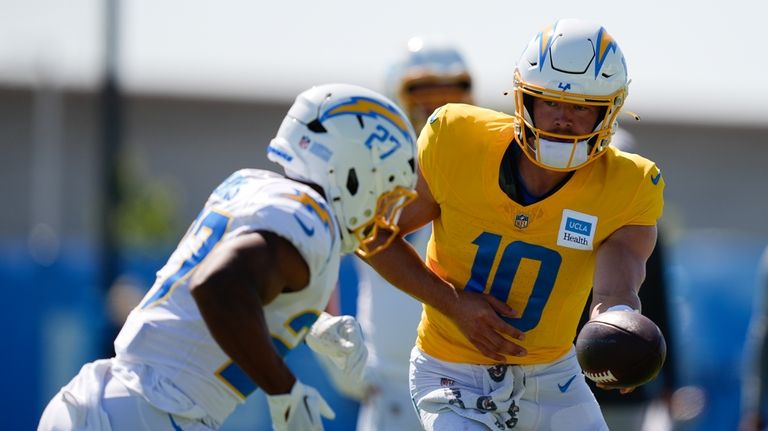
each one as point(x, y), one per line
point(647, 206)
point(438, 148)
point(301, 220)
point(428, 150)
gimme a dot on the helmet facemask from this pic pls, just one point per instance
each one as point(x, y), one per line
point(388, 209)
point(584, 148)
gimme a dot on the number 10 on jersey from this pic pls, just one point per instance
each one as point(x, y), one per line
point(488, 245)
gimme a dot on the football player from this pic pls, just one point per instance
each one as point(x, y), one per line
point(432, 73)
point(249, 279)
point(529, 212)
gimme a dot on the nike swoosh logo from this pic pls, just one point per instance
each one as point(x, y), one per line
point(175, 426)
point(564, 388)
point(307, 229)
point(655, 180)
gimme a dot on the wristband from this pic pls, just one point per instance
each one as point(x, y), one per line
point(621, 307)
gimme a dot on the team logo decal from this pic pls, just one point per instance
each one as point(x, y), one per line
point(577, 230)
point(497, 372)
point(605, 45)
point(485, 403)
point(521, 221)
point(367, 107)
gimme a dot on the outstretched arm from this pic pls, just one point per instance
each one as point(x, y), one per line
point(476, 315)
point(620, 268)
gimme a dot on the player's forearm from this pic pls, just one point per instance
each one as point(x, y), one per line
point(402, 267)
point(618, 277)
point(234, 315)
point(620, 267)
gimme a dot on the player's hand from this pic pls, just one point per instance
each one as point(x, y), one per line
point(302, 409)
point(478, 317)
point(340, 339)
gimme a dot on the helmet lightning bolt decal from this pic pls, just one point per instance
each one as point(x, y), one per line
point(605, 44)
point(370, 108)
point(545, 41)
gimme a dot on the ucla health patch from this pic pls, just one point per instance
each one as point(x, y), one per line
point(577, 230)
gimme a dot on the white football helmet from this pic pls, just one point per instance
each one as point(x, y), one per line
point(359, 147)
point(430, 63)
point(572, 61)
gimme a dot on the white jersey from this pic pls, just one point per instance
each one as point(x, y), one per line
point(166, 338)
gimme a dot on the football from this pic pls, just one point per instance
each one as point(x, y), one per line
point(621, 349)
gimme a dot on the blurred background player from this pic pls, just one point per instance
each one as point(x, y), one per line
point(248, 281)
point(432, 73)
point(754, 397)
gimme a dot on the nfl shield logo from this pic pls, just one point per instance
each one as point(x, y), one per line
point(521, 221)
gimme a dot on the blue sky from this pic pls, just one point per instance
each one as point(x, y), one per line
point(687, 59)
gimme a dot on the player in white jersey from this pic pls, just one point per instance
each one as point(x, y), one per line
point(249, 279)
point(432, 73)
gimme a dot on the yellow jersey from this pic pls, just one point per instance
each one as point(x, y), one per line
point(539, 258)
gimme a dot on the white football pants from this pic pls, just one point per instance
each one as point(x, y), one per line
point(94, 401)
point(555, 397)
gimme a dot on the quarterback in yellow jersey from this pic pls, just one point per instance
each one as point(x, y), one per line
point(530, 213)
point(533, 257)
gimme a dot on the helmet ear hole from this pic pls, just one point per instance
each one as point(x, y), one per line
point(352, 183)
point(316, 126)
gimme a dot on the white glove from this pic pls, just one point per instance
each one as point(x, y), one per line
point(340, 338)
point(299, 410)
point(352, 388)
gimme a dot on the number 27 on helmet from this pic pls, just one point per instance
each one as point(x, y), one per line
point(359, 147)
